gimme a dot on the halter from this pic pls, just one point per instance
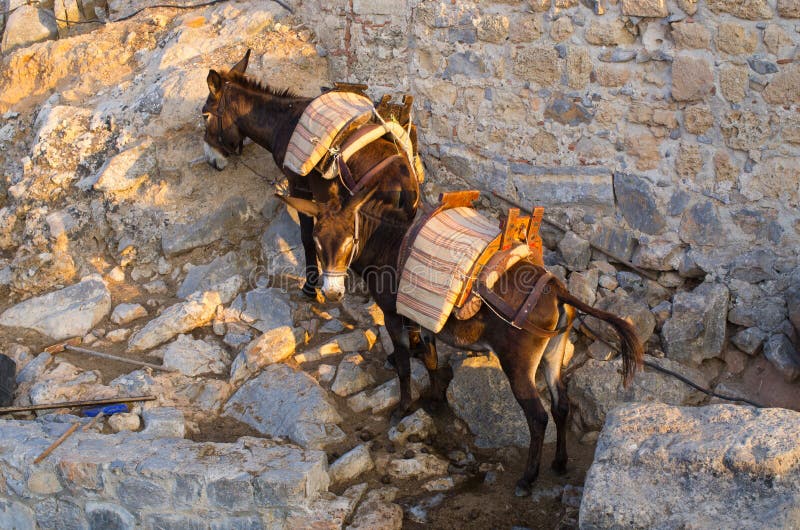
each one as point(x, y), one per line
point(218, 113)
point(353, 252)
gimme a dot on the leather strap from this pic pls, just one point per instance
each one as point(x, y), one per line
point(345, 174)
point(518, 317)
point(367, 178)
point(532, 298)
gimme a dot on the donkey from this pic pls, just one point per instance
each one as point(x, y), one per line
point(238, 107)
point(365, 234)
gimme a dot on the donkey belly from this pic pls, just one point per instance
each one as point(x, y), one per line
point(467, 334)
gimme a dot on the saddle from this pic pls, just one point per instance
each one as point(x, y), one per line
point(342, 121)
point(451, 257)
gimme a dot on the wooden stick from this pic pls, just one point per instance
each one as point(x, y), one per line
point(58, 442)
point(564, 229)
point(74, 404)
point(93, 353)
point(93, 421)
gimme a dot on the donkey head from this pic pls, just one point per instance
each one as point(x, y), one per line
point(223, 137)
point(336, 237)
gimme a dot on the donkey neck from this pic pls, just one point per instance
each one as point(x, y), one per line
point(267, 119)
point(381, 240)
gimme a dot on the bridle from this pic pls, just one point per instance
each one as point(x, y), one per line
point(353, 252)
point(218, 114)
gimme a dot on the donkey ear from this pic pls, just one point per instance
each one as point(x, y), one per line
point(361, 199)
point(214, 82)
point(241, 66)
point(303, 206)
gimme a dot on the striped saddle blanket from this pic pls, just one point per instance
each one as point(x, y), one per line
point(439, 263)
point(324, 118)
point(329, 118)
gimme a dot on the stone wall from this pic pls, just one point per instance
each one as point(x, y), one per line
point(665, 131)
point(129, 480)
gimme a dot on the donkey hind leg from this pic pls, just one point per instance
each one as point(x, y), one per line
point(307, 238)
point(521, 373)
point(402, 362)
point(559, 401)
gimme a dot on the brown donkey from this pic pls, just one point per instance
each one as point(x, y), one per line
point(238, 107)
point(365, 234)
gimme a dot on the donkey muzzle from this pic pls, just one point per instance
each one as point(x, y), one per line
point(214, 157)
point(333, 287)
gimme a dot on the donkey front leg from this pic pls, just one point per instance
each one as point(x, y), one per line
point(312, 271)
point(402, 363)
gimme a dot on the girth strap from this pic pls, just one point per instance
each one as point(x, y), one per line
point(519, 317)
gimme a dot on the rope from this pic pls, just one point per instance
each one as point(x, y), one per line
point(37, 3)
point(593, 334)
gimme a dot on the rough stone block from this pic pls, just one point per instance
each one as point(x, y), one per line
point(595, 389)
point(724, 466)
point(65, 313)
point(184, 237)
point(28, 25)
point(231, 494)
point(692, 78)
point(564, 186)
point(644, 8)
point(696, 330)
point(163, 422)
point(789, 8)
point(109, 516)
point(780, 351)
point(636, 200)
point(538, 64)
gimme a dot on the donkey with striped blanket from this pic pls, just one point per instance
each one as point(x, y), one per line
point(365, 233)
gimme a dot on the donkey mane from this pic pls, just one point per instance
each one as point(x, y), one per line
point(252, 84)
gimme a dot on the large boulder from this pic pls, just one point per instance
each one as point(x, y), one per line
point(284, 402)
point(195, 357)
point(696, 330)
point(69, 312)
point(632, 309)
point(179, 318)
point(28, 25)
point(595, 389)
point(720, 466)
point(206, 277)
point(481, 395)
point(207, 229)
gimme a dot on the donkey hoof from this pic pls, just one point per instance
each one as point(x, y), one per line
point(559, 468)
point(398, 414)
point(523, 489)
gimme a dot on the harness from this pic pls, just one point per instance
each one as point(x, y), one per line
point(518, 240)
point(218, 114)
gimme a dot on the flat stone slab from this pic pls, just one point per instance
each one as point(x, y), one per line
point(129, 480)
point(285, 402)
point(720, 466)
point(69, 312)
point(184, 237)
point(565, 186)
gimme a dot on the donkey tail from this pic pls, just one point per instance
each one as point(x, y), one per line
point(632, 350)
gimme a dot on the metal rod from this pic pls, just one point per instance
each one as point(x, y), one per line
point(74, 404)
point(115, 358)
point(564, 229)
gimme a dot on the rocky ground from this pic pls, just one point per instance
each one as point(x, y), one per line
point(113, 229)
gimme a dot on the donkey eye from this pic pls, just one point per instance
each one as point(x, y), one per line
point(206, 115)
